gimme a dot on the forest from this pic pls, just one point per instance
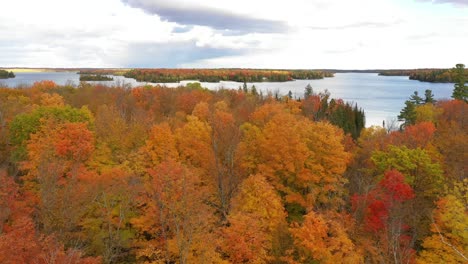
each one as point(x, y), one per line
point(213, 75)
point(110, 174)
point(428, 75)
point(6, 74)
point(95, 77)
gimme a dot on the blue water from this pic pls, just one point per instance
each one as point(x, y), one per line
point(381, 97)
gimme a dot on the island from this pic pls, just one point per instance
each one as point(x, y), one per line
point(165, 75)
point(217, 75)
point(6, 74)
point(95, 77)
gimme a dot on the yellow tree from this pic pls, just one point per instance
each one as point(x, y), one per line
point(324, 238)
point(256, 216)
point(448, 242)
point(303, 160)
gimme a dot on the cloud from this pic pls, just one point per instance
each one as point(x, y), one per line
point(176, 11)
point(171, 55)
point(462, 3)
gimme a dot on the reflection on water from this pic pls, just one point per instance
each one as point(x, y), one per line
point(382, 97)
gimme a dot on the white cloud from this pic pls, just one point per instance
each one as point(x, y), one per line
point(243, 33)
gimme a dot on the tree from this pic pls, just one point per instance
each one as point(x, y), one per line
point(20, 241)
point(174, 214)
point(416, 99)
point(425, 176)
point(254, 90)
point(57, 178)
point(308, 91)
point(24, 125)
point(323, 238)
point(448, 242)
point(407, 114)
point(225, 136)
point(256, 216)
point(451, 138)
point(303, 160)
point(427, 113)
point(460, 90)
point(384, 211)
point(106, 226)
point(429, 97)
point(415, 136)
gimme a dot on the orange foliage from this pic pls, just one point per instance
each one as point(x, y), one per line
point(414, 136)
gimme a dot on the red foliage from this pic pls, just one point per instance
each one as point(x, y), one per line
point(414, 136)
point(380, 201)
point(395, 188)
point(74, 141)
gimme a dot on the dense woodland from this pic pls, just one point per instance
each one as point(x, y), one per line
point(95, 77)
point(6, 74)
point(428, 75)
point(97, 174)
point(214, 75)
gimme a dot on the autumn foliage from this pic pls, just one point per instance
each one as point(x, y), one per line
point(96, 174)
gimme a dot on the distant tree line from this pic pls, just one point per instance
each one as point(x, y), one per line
point(216, 75)
point(95, 77)
point(428, 75)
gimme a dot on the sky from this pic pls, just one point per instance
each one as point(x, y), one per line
point(292, 34)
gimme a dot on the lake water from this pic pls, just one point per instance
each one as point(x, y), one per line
point(381, 97)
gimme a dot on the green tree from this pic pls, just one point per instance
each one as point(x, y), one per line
point(254, 90)
point(26, 124)
point(416, 99)
point(244, 87)
point(308, 91)
point(429, 97)
point(460, 91)
point(408, 113)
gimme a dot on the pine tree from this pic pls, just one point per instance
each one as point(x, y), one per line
point(408, 114)
point(416, 99)
point(254, 90)
point(429, 97)
point(308, 91)
point(460, 91)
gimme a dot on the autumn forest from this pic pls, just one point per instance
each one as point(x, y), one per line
point(100, 174)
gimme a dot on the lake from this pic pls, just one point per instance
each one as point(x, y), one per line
point(381, 97)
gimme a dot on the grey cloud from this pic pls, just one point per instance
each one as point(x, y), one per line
point(463, 3)
point(204, 16)
point(150, 55)
point(179, 29)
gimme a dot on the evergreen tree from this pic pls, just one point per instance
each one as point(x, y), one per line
point(290, 95)
point(416, 99)
point(254, 90)
point(308, 91)
point(245, 87)
point(429, 97)
point(408, 114)
point(460, 91)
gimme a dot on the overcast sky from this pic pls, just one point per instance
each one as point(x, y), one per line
point(339, 34)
